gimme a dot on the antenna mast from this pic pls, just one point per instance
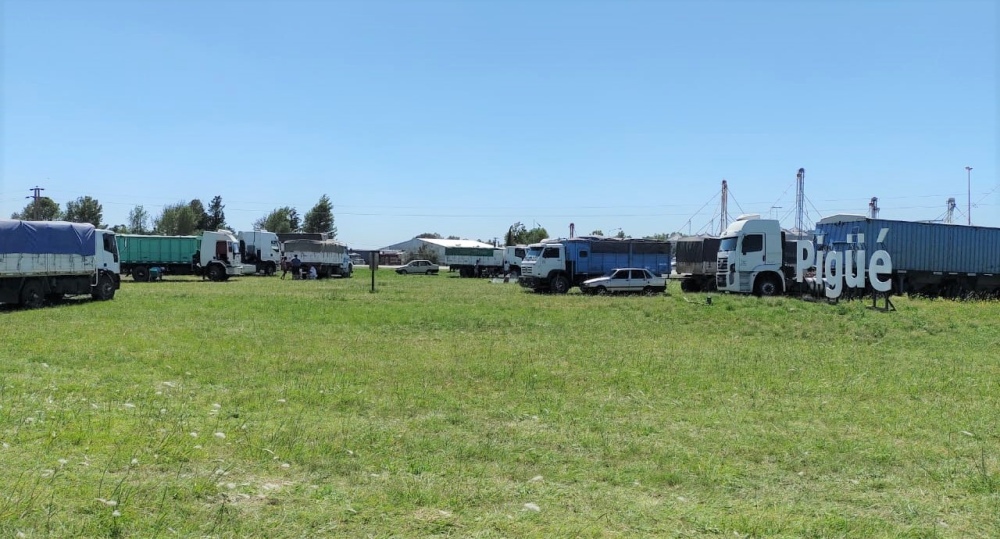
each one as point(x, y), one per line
point(873, 208)
point(800, 198)
point(723, 222)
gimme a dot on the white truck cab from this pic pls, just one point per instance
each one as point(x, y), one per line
point(750, 259)
point(219, 255)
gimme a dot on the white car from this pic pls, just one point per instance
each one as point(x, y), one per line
point(625, 280)
point(425, 267)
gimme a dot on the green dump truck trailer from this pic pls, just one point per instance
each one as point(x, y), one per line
point(174, 254)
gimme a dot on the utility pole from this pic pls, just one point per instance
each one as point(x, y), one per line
point(34, 205)
point(968, 209)
point(800, 199)
point(873, 208)
point(725, 208)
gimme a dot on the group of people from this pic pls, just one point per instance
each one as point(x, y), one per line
point(298, 270)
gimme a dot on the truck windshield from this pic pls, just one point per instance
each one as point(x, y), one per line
point(728, 244)
point(533, 253)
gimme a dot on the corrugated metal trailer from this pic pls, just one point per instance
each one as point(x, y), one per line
point(927, 258)
point(139, 253)
point(696, 258)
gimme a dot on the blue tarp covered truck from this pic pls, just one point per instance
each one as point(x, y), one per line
point(43, 261)
point(559, 265)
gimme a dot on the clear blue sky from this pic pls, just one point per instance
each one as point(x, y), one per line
point(463, 117)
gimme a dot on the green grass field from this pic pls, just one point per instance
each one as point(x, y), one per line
point(440, 406)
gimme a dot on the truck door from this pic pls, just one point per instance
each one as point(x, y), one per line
point(751, 252)
point(222, 250)
point(619, 281)
point(639, 280)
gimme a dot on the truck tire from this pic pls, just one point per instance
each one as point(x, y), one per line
point(31, 295)
point(140, 273)
point(216, 273)
point(350, 271)
point(105, 289)
point(690, 285)
point(560, 284)
point(270, 269)
point(767, 286)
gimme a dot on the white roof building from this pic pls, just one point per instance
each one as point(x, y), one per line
point(437, 245)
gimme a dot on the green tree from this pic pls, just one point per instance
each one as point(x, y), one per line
point(120, 229)
point(177, 220)
point(138, 220)
point(535, 235)
point(200, 215)
point(430, 235)
point(454, 238)
point(85, 210)
point(216, 217)
point(40, 209)
point(320, 218)
point(518, 234)
point(281, 221)
point(597, 232)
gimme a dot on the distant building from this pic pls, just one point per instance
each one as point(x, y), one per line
point(432, 245)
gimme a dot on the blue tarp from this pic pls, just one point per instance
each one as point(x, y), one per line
point(46, 237)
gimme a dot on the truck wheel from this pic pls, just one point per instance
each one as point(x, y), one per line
point(140, 273)
point(269, 269)
point(350, 271)
point(31, 295)
point(216, 273)
point(104, 290)
point(690, 285)
point(560, 284)
point(768, 286)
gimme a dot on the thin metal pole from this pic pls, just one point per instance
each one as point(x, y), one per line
point(968, 209)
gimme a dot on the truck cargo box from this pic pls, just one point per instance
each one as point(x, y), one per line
point(696, 254)
point(157, 250)
point(610, 253)
point(918, 247)
point(46, 237)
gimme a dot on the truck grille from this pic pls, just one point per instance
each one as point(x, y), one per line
point(723, 266)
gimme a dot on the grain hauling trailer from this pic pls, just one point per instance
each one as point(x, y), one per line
point(46, 260)
point(696, 262)
point(215, 255)
point(329, 257)
point(558, 265)
point(935, 259)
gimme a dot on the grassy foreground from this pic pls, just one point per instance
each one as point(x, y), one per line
point(440, 406)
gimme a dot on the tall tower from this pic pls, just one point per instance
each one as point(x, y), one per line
point(949, 216)
point(800, 198)
point(873, 208)
point(724, 213)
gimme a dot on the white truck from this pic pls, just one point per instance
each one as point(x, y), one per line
point(45, 260)
point(329, 257)
point(486, 261)
point(261, 251)
point(755, 257)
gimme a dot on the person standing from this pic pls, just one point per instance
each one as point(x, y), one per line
point(284, 266)
point(296, 267)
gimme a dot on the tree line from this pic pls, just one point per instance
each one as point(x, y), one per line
point(181, 218)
